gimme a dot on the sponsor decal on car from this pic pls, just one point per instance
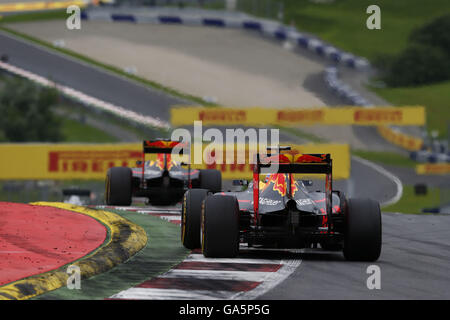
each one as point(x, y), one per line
point(269, 202)
point(304, 202)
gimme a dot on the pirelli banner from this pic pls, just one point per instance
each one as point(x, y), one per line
point(91, 161)
point(433, 168)
point(39, 5)
point(402, 116)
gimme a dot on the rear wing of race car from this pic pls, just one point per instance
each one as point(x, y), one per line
point(162, 146)
point(291, 164)
point(165, 147)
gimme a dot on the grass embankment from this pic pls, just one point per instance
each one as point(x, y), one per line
point(343, 24)
point(412, 203)
point(435, 97)
point(386, 158)
point(75, 131)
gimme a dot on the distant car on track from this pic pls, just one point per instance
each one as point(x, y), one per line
point(163, 181)
point(282, 213)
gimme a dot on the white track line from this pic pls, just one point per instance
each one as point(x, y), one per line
point(268, 280)
point(271, 281)
point(256, 276)
point(80, 96)
point(55, 52)
point(171, 218)
point(201, 258)
point(155, 212)
point(388, 175)
point(174, 294)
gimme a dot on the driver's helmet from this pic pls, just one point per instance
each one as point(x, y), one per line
point(267, 178)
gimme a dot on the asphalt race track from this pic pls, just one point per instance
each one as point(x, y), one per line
point(90, 80)
point(416, 249)
point(414, 265)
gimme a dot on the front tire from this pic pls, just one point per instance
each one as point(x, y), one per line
point(118, 186)
point(190, 217)
point(362, 239)
point(220, 227)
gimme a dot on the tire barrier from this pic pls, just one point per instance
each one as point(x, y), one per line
point(331, 78)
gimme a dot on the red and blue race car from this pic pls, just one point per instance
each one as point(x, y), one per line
point(281, 212)
point(163, 181)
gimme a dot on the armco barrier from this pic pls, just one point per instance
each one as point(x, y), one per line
point(256, 116)
point(91, 161)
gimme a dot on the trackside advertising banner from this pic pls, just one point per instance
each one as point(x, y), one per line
point(39, 5)
point(91, 161)
point(402, 116)
point(433, 168)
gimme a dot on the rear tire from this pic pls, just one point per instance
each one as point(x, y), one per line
point(211, 179)
point(118, 186)
point(220, 227)
point(190, 218)
point(362, 239)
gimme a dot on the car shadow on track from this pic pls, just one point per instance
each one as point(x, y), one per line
point(290, 254)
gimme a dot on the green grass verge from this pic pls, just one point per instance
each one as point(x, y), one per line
point(108, 67)
point(302, 134)
point(388, 158)
point(35, 16)
point(162, 252)
point(436, 99)
point(75, 131)
point(343, 22)
point(412, 203)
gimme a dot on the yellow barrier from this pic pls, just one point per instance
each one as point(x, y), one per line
point(64, 161)
point(339, 153)
point(91, 161)
point(400, 139)
point(293, 117)
point(39, 5)
point(433, 168)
